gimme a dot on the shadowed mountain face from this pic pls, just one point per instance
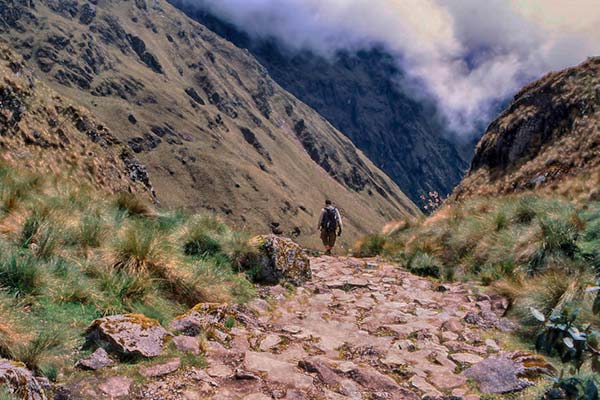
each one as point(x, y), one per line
point(548, 137)
point(361, 94)
point(214, 131)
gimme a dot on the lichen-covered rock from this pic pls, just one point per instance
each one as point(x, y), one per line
point(281, 259)
point(128, 335)
point(213, 317)
point(508, 372)
point(97, 360)
point(19, 381)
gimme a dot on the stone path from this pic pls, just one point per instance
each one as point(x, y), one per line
point(358, 330)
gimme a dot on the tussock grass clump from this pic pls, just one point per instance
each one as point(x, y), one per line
point(132, 204)
point(20, 273)
point(371, 246)
point(203, 236)
point(424, 264)
point(34, 352)
point(91, 231)
point(242, 256)
point(140, 248)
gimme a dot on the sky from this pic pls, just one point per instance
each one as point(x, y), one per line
point(467, 55)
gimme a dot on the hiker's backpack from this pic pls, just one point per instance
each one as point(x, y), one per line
point(329, 222)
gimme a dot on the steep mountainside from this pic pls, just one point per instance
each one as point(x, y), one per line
point(214, 130)
point(549, 135)
point(44, 132)
point(360, 95)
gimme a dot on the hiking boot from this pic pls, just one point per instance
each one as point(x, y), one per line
point(327, 252)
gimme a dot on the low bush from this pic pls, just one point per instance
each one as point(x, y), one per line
point(20, 273)
point(132, 204)
point(242, 255)
point(204, 236)
point(424, 264)
point(140, 248)
point(201, 243)
point(371, 246)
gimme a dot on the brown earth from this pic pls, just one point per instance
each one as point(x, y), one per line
point(214, 130)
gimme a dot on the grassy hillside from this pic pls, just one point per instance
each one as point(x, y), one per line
point(214, 131)
point(541, 252)
point(70, 254)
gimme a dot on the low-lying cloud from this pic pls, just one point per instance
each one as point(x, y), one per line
point(466, 54)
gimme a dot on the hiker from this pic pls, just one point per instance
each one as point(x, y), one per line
point(330, 224)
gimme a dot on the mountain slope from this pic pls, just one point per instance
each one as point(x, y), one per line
point(44, 132)
point(214, 130)
point(360, 95)
point(549, 137)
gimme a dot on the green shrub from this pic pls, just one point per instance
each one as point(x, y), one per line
point(5, 394)
point(589, 244)
point(70, 285)
point(124, 286)
point(371, 246)
point(201, 243)
point(47, 242)
point(167, 222)
point(493, 272)
point(525, 210)
point(558, 240)
point(242, 290)
point(424, 264)
point(20, 273)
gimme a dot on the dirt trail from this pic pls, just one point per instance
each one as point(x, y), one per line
point(359, 330)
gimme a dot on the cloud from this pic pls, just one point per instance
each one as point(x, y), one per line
point(467, 54)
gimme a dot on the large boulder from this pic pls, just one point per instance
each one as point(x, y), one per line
point(128, 335)
point(508, 372)
point(281, 259)
point(19, 381)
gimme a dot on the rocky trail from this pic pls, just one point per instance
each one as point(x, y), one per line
point(358, 330)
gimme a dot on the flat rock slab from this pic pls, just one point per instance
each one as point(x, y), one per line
point(276, 371)
point(116, 387)
point(161, 369)
point(506, 373)
point(466, 358)
point(17, 379)
point(97, 360)
point(187, 344)
point(269, 342)
point(128, 334)
point(218, 370)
